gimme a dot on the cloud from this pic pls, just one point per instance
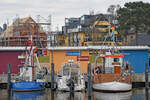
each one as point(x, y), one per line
point(59, 9)
point(8, 1)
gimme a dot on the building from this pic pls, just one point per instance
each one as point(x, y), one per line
point(10, 55)
point(88, 30)
point(19, 32)
point(139, 39)
point(1, 30)
point(61, 55)
point(137, 56)
point(55, 38)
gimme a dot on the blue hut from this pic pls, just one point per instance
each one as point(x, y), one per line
point(137, 56)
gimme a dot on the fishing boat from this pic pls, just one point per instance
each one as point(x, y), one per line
point(113, 74)
point(31, 77)
point(70, 77)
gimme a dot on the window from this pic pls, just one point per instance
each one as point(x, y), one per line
point(101, 26)
point(116, 59)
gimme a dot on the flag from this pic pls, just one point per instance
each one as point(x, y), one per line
point(29, 42)
point(112, 27)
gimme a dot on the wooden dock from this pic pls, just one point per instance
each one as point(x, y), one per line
point(140, 77)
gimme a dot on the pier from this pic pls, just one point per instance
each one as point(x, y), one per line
point(138, 80)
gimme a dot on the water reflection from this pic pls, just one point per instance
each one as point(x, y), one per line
point(27, 95)
point(135, 94)
point(147, 94)
point(70, 96)
point(140, 94)
point(112, 96)
point(52, 95)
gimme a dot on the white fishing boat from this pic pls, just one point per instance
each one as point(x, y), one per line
point(113, 74)
point(113, 86)
point(70, 77)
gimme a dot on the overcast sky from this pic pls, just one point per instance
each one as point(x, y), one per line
point(58, 9)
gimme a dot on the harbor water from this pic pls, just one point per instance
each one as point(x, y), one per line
point(135, 94)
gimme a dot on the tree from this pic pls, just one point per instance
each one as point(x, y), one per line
point(134, 16)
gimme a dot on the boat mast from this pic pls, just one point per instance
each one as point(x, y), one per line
point(31, 52)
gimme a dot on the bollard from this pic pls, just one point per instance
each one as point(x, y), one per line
point(9, 78)
point(146, 76)
point(89, 80)
point(52, 76)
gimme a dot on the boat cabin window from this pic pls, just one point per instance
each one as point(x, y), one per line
point(116, 59)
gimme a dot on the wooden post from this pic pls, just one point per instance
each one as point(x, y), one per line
point(89, 79)
point(52, 95)
point(146, 94)
point(52, 72)
point(52, 76)
point(146, 76)
point(9, 78)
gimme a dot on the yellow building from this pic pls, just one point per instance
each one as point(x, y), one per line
point(61, 55)
point(102, 26)
point(61, 40)
point(93, 36)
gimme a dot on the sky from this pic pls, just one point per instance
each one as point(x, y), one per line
point(58, 9)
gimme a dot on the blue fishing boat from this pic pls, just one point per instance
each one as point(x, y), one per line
point(31, 77)
point(28, 86)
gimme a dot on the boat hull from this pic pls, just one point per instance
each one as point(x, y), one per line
point(27, 86)
point(67, 89)
point(112, 87)
point(62, 85)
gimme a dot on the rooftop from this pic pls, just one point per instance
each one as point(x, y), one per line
point(14, 48)
point(99, 47)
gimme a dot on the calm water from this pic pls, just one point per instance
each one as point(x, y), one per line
point(135, 94)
